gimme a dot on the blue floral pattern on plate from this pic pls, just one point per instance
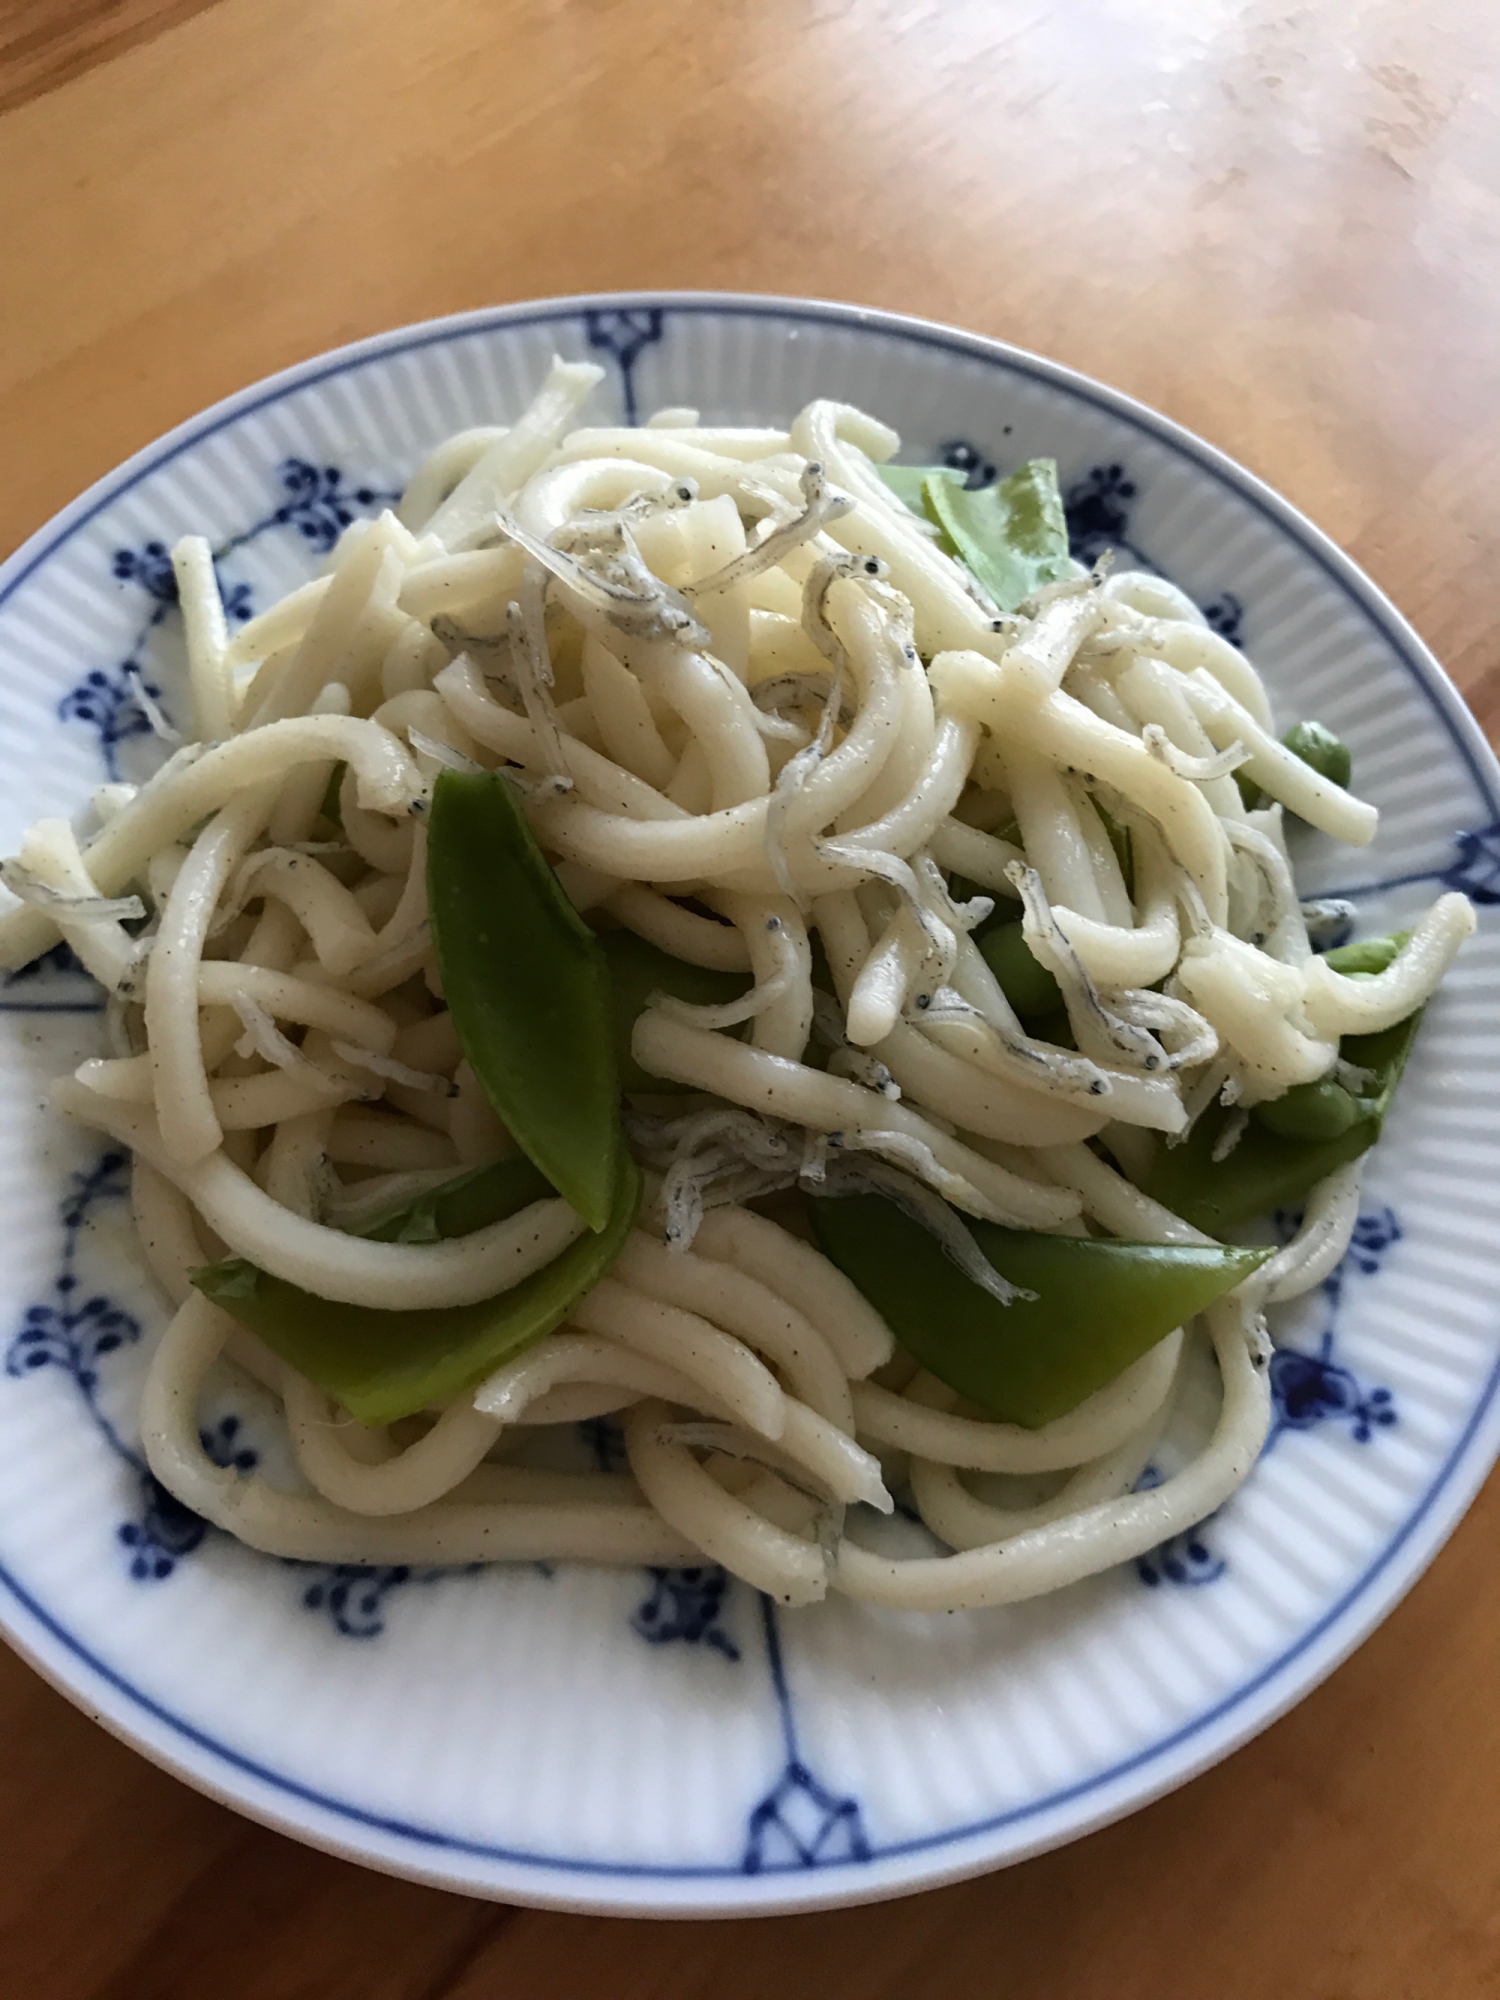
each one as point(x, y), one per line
point(318, 505)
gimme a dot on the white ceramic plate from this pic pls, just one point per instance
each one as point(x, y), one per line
point(662, 1742)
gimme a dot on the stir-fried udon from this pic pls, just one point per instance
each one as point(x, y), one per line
point(708, 930)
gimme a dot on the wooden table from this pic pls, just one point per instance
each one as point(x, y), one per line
point(1281, 224)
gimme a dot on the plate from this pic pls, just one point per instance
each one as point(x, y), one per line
point(664, 1741)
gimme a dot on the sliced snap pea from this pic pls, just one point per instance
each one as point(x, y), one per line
point(1322, 1110)
point(1270, 1169)
point(1098, 1306)
point(1025, 981)
point(527, 986)
point(636, 971)
point(1012, 537)
point(385, 1365)
point(907, 481)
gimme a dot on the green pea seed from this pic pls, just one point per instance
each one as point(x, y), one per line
point(1251, 796)
point(1317, 746)
point(1370, 955)
point(1322, 1110)
point(1026, 984)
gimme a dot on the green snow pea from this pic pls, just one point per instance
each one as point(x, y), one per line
point(527, 986)
point(1025, 981)
point(636, 971)
point(1322, 1110)
point(1012, 536)
point(385, 1365)
point(1098, 1306)
point(1293, 1140)
point(907, 481)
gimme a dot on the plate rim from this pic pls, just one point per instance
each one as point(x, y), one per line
point(904, 1867)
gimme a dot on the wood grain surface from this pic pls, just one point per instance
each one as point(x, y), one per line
point(1280, 224)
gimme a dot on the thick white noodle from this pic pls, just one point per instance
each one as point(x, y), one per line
point(1111, 1531)
point(717, 1365)
point(992, 1104)
point(781, 1089)
point(699, 653)
point(165, 1223)
point(192, 785)
point(312, 1530)
point(784, 1566)
point(964, 1521)
point(1337, 1005)
point(677, 931)
point(387, 1276)
point(520, 1387)
point(206, 636)
point(751, 1311)
point(1064, 730)
point(797, 1273)
point(410, 1479)
point(1100, 1423)
point(513, 456)
point(1319, 1244)
point(190, 1130)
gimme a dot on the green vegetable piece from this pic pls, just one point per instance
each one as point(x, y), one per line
point(1317, 745)
point(527, 987)
point(1025, 981)
point(1012, 537)
point(636, 971)
point(385, 1365)
point(1098, 1306)
point(1370, 955)
point(468, 1202)
point(1322, 1110)
point(906, 482)
point(1054, 1028)
point(1120, 841)
point(332, 807)
point(1271, 1169)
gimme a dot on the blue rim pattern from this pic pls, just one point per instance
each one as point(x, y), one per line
point(1424, 673)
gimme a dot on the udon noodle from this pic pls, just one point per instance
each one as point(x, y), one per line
point(756, 713)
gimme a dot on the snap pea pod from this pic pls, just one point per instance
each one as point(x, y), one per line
point(907, 481)
point(1098, 1306)
point(1296, 1139)
point(1273, 1168)
point(1025, 981)
point(527, 986)
point(1012, 537)
point(385, 1365)
point(636, 971)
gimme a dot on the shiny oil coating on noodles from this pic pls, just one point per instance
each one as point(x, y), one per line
point(752, 708)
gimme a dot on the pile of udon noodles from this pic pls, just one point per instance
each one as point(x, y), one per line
point(731, 674)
